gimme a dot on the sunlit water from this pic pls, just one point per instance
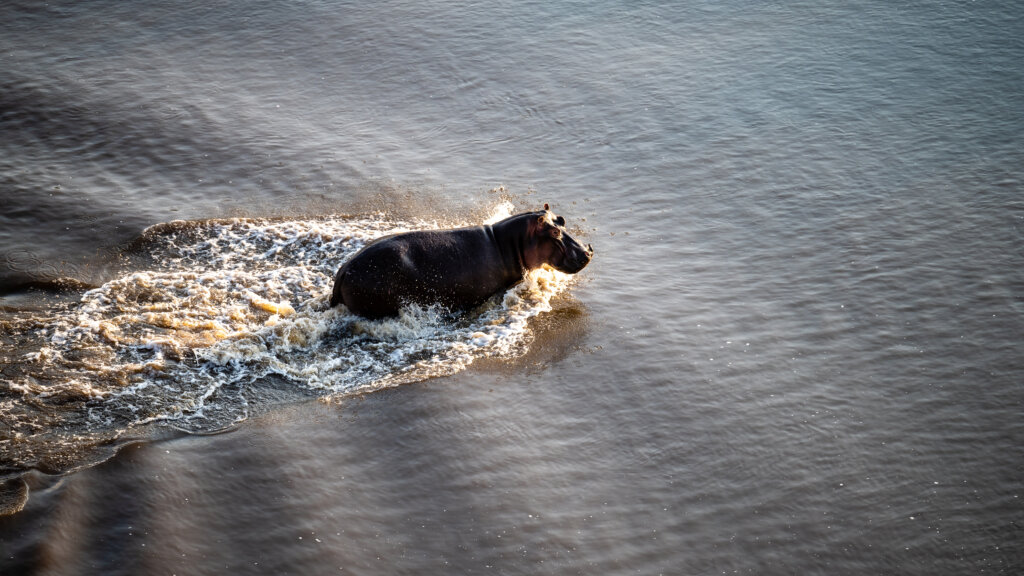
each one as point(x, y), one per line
point(797, 349)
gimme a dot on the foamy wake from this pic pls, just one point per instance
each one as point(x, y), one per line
point(235, 301)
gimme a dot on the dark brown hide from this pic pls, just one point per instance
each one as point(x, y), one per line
point(458, 268)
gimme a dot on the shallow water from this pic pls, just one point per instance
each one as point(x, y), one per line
point(797, 349)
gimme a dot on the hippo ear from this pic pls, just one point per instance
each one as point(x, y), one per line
point(546, 207)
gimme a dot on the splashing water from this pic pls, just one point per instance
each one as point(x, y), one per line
point(229, 306)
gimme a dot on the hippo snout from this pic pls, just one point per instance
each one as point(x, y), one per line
point(588, 253)
point(581, 257)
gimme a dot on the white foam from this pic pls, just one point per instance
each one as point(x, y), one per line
point(230, 302)
point(500, 211)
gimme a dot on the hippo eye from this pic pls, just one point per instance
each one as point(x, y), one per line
point(560, 221)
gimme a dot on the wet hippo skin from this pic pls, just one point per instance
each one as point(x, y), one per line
point(459, 268)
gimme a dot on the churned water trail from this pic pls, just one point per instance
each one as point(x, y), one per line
point(226, 304)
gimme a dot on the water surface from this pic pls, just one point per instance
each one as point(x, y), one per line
point(797, 350)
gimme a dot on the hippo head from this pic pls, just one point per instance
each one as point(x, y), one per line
point(549, 243)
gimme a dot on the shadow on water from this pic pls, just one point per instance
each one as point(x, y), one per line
point(79, 516)
point(440, 459)
point(91, 474)
point(410, 474)
point(555, 335)
point(558, 334)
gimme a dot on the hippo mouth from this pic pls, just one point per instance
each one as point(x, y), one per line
point(576, 259)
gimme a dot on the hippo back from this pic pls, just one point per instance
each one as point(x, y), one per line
point(455, 268)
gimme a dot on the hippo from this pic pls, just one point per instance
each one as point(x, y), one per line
point(459, 268)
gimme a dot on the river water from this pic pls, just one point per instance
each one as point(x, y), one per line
point(798, 349)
